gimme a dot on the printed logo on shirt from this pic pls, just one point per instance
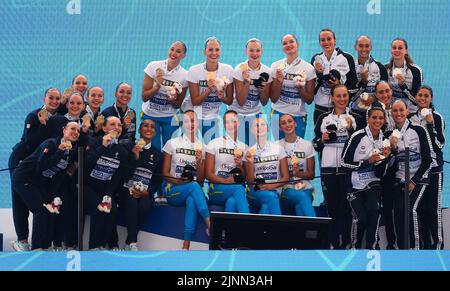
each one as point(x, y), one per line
point(290, 77)
point(167, 82)
point(188, 152)
point(105, 168)
point(269, 176)
point(226, 151)
point(267, 159)
point(266, 168)
point(300, 155)
point(203, 83)
point(183, 162)
point(142, 175)
point(49, 173)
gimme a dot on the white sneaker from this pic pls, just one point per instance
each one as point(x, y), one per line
point(132, 247)
point(19, 246)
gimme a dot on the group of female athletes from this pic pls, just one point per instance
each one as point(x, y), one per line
point(365, 115)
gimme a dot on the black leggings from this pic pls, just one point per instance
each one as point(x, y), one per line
point(32, 197)
point(335, 188)
point(102, 223)
point(415, 198)
point(20, 210)
point(366, 216)
point(430, 213)
point(136, 211)
point(387, 189)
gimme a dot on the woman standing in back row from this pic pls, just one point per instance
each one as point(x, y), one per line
point(333, 67)
point(210, 85)
point(252, 86)
point(292, 87)
point(163, 93)
point(405, 77)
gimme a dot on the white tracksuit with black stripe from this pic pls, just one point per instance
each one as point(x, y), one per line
point(421, 161)
point(364, 196)
point(407, 91)
point(345, 65)
point(377, 72)
point(431, 212)
point(334, 177)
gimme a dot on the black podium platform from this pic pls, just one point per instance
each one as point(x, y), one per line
point(267, 232)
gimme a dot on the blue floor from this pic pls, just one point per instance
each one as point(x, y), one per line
point(361, 260)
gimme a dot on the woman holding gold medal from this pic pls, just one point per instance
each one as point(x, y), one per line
point(136, 194)
point(252, 87)
point(297, 194)
point(38, 178)
point(75, 106)
point(266, 170)
point(105, 160)
point(95, 99)
point(163, 92)
point(91, 122)
point(34, 133)
point(183, 167)
point(210, 85)
point(126, 114)
point(224, 168)
point(292, 88)
point(80, 85)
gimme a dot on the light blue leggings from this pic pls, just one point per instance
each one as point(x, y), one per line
point(191, 196)
point(301, 200)
point(267, 201)
point(232, 196)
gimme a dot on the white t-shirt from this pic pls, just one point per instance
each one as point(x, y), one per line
point(303, 150)
point(252, 104)
point(223, 150)
point(211, 105)
point(267, 161)
point(290, 100)
point(159, 105)
point(182, 151)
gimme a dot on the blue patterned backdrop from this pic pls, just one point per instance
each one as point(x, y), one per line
point(45, 44)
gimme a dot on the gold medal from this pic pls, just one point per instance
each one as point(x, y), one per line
point(294, 160)
point(68, 145)
point(252, 151)
point(67, 92)
point(197, 147)
point(113, 134)
point(243, 67)
point(130, 115)
point(100, 119)
point(141, 143)
point(281, 67)
point(238, 153)
point(43, 113)
point(86, 118)
point(210, 76)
